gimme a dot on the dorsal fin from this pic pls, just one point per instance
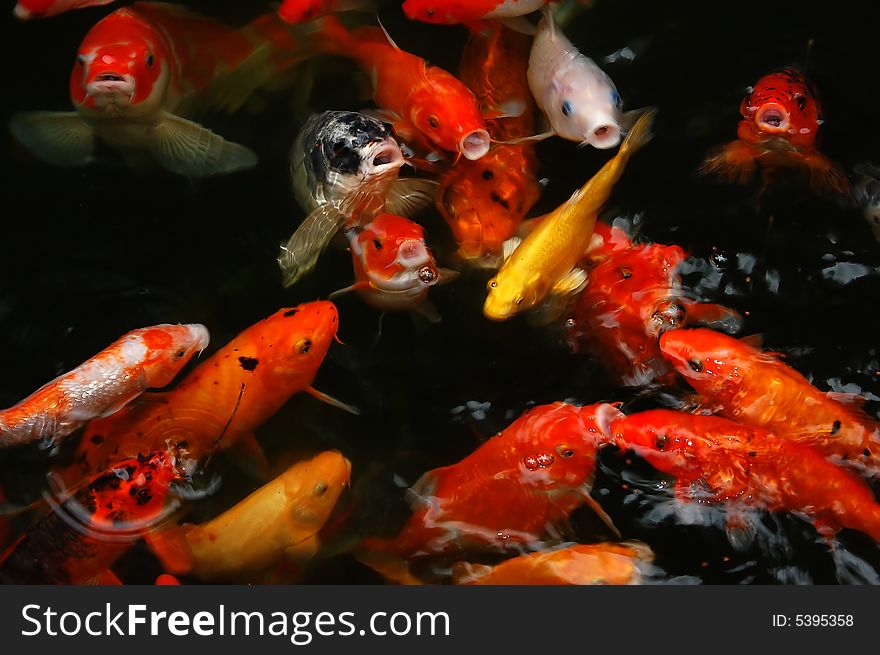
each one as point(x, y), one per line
point(387, 35)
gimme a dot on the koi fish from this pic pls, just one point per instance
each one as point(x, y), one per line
point(504, 495)
point(631, 297)
point(28, 9)
point(81, 539)
point(545, 262)
point(579, 99)
point(140, 70)
point(449, 12)
point(344, 169)
point(426, 104)
point(780, 122)
point(146, 358)
point(223, 400)
point(715, 460)
point(485, 201)
point(279, 522)
point(300, 11)
point(583, 564)
point(754, 387)
point(393, 267)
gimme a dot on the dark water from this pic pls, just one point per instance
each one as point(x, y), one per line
point(91, 253)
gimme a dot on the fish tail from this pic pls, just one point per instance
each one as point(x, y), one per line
point(330, 36)
point(640, 134)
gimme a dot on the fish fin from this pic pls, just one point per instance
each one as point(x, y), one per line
point(427, 311)
point(229, 92)
point(826, 178)
point(601, 513)
point(715, 316)
point(330, 400)
point(385, 115)
point(354, 287)
point(249, 457)
point(172, 549)
point(755, 341)
point(640, 134)
point(388, 36)
point(314, 234)
point(393, 568)
point(105, 579)
point(596, 242)
point(547, 15)
point(573, 282)
point(418, 495)
point(507, 109)
point(446, 275)
point(628, 119)
point(851, 400)
point(740, 529)
point(114, 407)
point(509, 246)
point(734, 162)
point(58, 138)
point(519, 24)
point(187, 148)
point(468, 573)
point(410, 195)
point(528, 139)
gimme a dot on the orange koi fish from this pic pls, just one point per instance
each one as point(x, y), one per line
point(142, 359)
point(583, 564)
point(222, 401)
point(716, 460)
point(28, 9)
point(140, 70)
point(504, 495)
point(448, 12)
point(754, 387)
point(300, 11)
point(393, 266)
point(485, 201)
point(277, 523)
point(632, 296)
point(79, 541)
point(426, 104)
point(780, 122)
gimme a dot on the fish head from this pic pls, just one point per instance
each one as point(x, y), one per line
point(311, 489)
point(511, 291)
point(132, 490)
point(121, 67)
point(300, 11)
point(354, 148)
point(782, 104)
point(712, 362)
point(292, 343)
point(485, 201)
point(446, 112)
point(168, 349)
point(584, 106)
point(662, 436)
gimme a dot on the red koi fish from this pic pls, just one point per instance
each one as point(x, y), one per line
point(716, 460)
point(146, 358)
point(28, 9)
point(300, 11)
point(504, 495)
point(448, 12)
point(140, 70)
point(633, 295)
point(754, 387)
point(393, 266)
point(79, 541)
point(223, 400)
point(485, 201)
point(426, 104)
point(583, 564)
point(780, 122)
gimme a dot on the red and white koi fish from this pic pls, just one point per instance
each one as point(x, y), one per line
point(146, 358)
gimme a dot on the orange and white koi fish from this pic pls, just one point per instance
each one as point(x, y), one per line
point(393, 267)
point(754, 387)
point(716, 460)
point(485, 201)
point(223, 400)
point(146, 358)
point(140, 70)
point(79, 541)
point(29, 9)
point(425, 104)
point(583, 564)
point(277, 523)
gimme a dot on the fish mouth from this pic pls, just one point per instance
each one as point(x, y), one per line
point(384, 157)
point(603, 135)
point(200, 336)
point(413, 253)
point(111, 84)
point(669, 314)
point(773, 118)
point(475, 144)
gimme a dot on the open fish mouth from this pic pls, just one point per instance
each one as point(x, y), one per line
point(111, 84)
point(475, 144)
point(383, 157)
point(772, 118)
point(602, 136)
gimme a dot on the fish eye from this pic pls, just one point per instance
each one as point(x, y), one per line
point(321, 488)
point(429, 12)
point(565, 451)
point(801, 101)
point(567, 108)
point(303, 346)
point(696, 365)
point(488, 174)
point(493, 284)
point(519, 301)
point(626, 273)
point(180, 353)
point(377, 244)
point(81, 60)
point(149, 60)
point(433, 121)
point(616, 99)
point(661, 442)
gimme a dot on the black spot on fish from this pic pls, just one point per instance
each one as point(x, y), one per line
point(835, 427)
point(248, 363)
point(97, 439)
point(661, 442)
point(753, 453)
point(291, 312)
point(866, 452)
point(143, 496)
point(488, 174)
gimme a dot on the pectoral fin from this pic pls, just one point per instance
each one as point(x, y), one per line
point(330, 400)
point(313, 235)
point(172, 549)
point(827, 178)
point(59, 138)
point(716, 317)
point(573, 282)
point(249, 457)
point(735, 162)
point(187, 148)
point(509, 246)
point(409, 195)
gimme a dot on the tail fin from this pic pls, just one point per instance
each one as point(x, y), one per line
point(329, 35)
point(639, 135)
